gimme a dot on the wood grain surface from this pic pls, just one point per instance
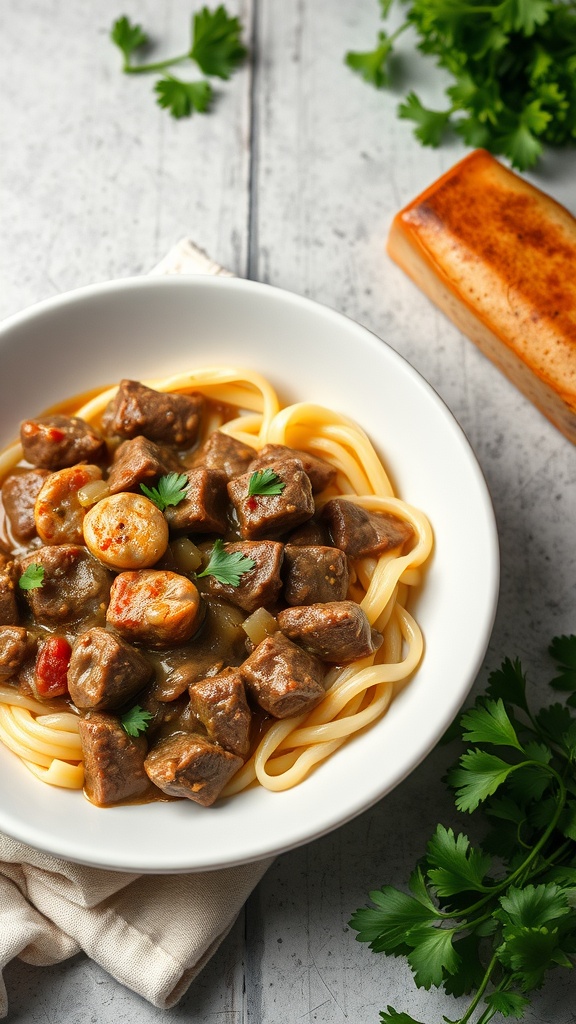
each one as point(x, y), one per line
point(293, 179)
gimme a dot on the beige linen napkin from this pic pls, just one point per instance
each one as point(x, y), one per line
point(152, 933)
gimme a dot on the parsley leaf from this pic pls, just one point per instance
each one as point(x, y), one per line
point(136, 720)
point(454, 865)
point(509, 683)
point(372, 64)
point(479, 775)
point(182, 98)
point(32, 577)
point(128, 37)
point(432, 955)
point(489, 724)
point(227, 566)
point(563, 650)
point(392, 1017)
point(265, 481)
point(387, 926)
point(216, 45)
point(171, 490)
point(471, 927)
point(431, 124)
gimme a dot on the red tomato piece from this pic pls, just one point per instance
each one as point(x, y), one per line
point(52, 667)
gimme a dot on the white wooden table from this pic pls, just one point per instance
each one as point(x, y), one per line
point(292, 180)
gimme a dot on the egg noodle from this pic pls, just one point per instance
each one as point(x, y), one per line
point(356, 694)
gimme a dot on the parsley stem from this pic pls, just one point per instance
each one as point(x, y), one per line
point(510, 879)
point(159, 65)
point(481, 990)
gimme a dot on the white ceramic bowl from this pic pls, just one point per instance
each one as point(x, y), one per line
point(148, 328)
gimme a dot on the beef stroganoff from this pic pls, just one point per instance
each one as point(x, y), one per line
point(200, 590)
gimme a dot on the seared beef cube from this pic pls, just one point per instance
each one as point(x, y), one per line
point(19, 493)
point(359, 533)
point(203, 510)
point(168, 418)
point(260, 585)
point(15, 647)
point(105, 672)
point(140, 462)
point(55, 442)
point(282, 678)
point(337, 632)
point(8, 580)
point(270, 515)
point(75, 585)
point(314, 574)
point(220, 704)
point(320, 472)
point(187, 764)
point(113, 760)
point(154, 607)
point(223, 452)
point(313, 531)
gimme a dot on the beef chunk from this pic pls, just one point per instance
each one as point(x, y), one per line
point(19, 493)
point(258, 587)
point(219, 702)
point(167, 418)
point(226, 453)
point(105, 672)
point(75, 585)
point(320, 472)
point(359, 533)
point(189, 765)
point(270, 515)
point(55, 442)
point(204, 508)
point(313, 531)
point(282, 678)
point(113, 760)
point(140, 461)
point(15, 647)
point(337, 632)
point(8, 580)
point(154, 607)
point(314, 574)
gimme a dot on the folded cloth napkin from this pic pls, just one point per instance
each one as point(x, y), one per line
point(153, 933)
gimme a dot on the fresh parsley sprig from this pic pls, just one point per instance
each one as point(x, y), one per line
point(227, 567)
point(216, 48)
point(265, 481)
point(136, 720)
point(468, 925)
point(171, 490)
point(512, 65)
point(32, 577)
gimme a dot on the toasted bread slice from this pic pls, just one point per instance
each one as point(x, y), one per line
point(498, 256)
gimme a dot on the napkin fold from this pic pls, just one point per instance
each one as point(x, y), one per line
point(152, 933)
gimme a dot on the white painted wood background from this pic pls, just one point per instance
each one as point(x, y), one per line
point(292, 180)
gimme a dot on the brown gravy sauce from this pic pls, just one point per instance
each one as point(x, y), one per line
point(165, 662)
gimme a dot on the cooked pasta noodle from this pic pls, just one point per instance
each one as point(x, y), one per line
point(357, 694)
